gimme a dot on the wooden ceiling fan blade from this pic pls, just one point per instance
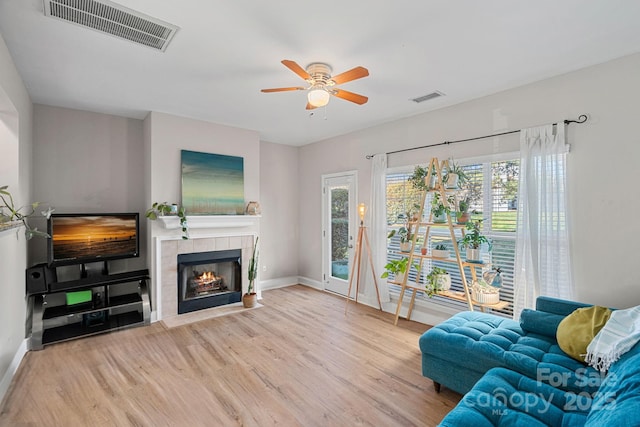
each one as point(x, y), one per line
point(311, 107)
point(350, 96)
point(281, 89)
point(353, 74)
point(293, 66)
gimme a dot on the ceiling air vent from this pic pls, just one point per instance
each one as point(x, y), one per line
point(114, 19)
point(427, 97)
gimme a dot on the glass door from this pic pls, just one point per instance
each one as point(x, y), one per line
point(339, 223)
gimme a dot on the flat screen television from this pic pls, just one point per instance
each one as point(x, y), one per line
point(86, 238)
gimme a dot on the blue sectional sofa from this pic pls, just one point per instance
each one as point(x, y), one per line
point(514, 373)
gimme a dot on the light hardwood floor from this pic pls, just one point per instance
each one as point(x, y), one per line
point(297, 361)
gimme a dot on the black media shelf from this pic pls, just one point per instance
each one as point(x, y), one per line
point(79, 329)
point(118, 301)
point(108, 279)
point(66, 310)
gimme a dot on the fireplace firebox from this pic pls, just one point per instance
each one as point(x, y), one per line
point(209, 279)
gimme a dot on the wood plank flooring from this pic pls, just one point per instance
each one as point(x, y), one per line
point(297, 361)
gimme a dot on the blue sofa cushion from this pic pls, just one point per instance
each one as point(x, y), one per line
point(558, 306)
point(503, 397)
point(540, 322)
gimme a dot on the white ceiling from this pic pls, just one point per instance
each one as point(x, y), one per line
point(226, 51)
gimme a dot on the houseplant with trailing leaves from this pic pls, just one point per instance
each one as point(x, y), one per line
point(164, 208)
point(455, 176)
point(10, 214)
point(438, 279)
point(397, 267)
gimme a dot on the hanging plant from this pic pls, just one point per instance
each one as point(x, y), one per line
point(9, 213)
point(162, 209)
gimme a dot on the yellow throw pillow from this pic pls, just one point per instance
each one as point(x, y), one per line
point(576, 331)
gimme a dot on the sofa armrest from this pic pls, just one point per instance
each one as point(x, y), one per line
point(558, 306)
point(540, 322)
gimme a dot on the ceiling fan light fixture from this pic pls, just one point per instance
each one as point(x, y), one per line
point(318, 97)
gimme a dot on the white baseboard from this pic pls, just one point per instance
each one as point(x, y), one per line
point(278, 283)
point(13, 367)
point(311, 283)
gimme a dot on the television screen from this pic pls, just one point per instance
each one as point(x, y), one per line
point(85, 238)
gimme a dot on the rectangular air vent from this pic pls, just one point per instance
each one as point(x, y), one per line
point(114, 19)
point(427, 97)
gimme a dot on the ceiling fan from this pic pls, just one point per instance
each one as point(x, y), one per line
point(322, 84)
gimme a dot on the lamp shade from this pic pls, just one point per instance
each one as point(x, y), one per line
point(318, 97)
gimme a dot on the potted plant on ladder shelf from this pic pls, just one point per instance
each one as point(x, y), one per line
point(249, 299)
point(472, 241)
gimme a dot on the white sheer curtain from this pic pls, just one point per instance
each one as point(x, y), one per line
point(543, 261)
point(378, 228)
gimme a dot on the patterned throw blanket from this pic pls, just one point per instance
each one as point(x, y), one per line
point(619, 335)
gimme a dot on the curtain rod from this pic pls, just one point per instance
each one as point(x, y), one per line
point(581, 119)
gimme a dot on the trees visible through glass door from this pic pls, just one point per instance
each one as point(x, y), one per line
point(338, 226)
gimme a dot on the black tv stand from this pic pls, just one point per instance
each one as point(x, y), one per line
point(118, 301)
point(84, 272)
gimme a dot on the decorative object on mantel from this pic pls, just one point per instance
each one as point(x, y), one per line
point(10, 215)
point(250, 299)
point(162, 209)
point(212, 184)
point(253, 208)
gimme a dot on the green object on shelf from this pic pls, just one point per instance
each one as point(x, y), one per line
point(79, 297)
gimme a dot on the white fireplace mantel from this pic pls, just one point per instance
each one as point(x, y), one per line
point(210, 233)
point(210, 221)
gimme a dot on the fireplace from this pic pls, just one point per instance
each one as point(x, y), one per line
point(209, 279)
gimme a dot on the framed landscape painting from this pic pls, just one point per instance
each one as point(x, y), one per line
point(212, 184)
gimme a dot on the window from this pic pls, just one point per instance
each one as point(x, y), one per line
point(492, 192)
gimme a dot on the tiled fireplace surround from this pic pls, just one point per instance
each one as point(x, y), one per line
point(169, 247)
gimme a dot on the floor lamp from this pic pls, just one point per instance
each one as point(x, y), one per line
point(357, 260)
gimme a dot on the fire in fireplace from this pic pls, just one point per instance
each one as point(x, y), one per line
point(209, 279)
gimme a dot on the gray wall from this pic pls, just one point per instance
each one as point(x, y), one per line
point(88, 162)
point(601, 202)
point(279, 176)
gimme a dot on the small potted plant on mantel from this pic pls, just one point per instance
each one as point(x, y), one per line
point(163, 209)
point(472, 240)
point(250, 299)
